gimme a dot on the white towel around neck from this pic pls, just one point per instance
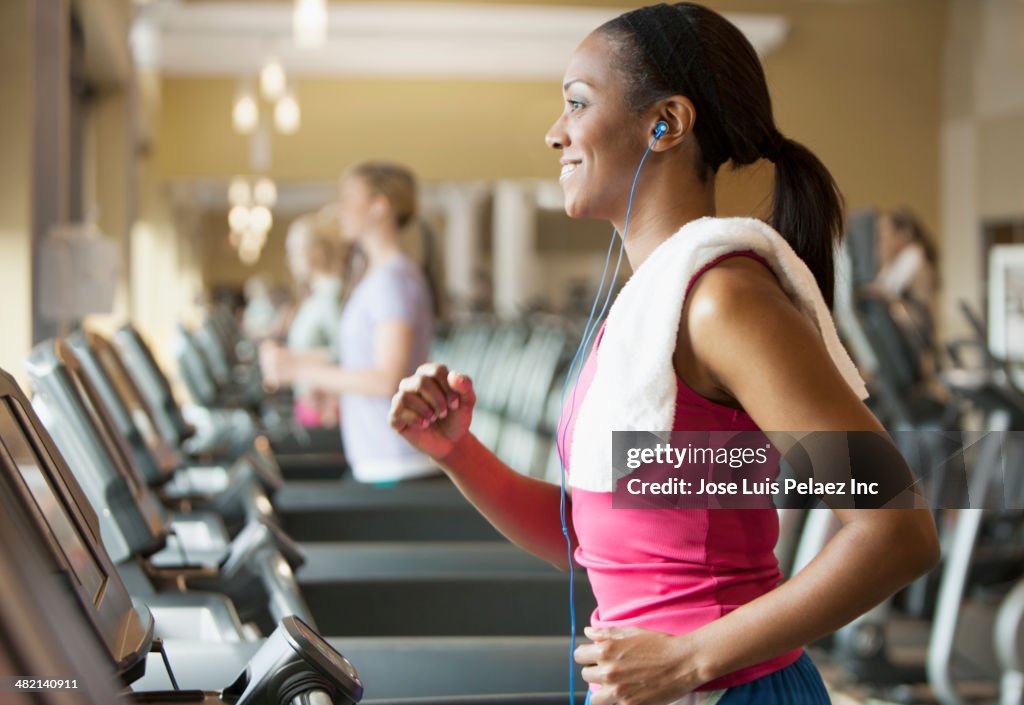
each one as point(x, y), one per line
point(634, 386)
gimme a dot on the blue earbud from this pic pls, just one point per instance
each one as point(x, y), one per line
point(660, 129)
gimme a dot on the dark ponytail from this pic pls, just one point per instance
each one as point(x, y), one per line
point(807, 210)
point(687, 49)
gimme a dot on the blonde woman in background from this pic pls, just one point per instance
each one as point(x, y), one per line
point(385, 329)
point(261, 318)
point(314, 260)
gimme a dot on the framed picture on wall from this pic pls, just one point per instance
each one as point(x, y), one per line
point(1006, 302)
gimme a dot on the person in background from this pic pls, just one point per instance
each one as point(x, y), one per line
point(314, 262)
point(386, 326)
point(261, 317)
point(908, 274)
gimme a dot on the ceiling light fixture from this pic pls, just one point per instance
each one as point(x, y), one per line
point(239, 217)
point(245, 115)
point(309, 23)
point(272, 79)
point(239, 193)
point(265, 192)
point(287, 114)
point(260, 219)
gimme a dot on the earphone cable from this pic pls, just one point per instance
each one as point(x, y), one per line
point(588, 331)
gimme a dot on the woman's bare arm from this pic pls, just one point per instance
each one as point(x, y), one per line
point(767, 356)
point(393, 343)
point(432, 411)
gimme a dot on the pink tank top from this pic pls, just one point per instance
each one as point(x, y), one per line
point(674, 570)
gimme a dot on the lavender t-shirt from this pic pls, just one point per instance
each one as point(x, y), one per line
point(394, 291)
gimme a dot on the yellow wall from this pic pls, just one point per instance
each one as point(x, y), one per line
point(165, 279)
point(860, 84)
point(1001, 152)
point(15, 182)
point(443, 129)
point(857, 82)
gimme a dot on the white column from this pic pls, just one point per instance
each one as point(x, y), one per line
point(962, 266)
point(959, 214)
point(463, 207)
point(515, 231)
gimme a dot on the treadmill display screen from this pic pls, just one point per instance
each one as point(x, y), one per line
point(14, 435)
point(106, 435)
point(117, 374)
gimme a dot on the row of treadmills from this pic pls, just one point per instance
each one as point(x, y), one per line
point(156, 559)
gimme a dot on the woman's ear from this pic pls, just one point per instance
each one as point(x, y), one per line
point(679, 115)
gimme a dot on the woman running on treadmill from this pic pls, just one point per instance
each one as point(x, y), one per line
point(314, 262)
point(690, 605)
point(908, 277)
point(385, 330)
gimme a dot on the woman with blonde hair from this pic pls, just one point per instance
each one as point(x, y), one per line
point(385, 329)
point(314, 262)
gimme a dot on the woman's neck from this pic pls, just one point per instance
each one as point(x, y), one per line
point(380, 246)
point(660, 213)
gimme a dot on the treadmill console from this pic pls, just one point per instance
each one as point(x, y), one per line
point(133, 520)
point(43, 634)
point(295, 661)
point(57, 505)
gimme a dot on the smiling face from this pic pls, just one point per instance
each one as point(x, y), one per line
point(601, 140)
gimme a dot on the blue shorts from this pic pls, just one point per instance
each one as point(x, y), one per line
point(797, 684)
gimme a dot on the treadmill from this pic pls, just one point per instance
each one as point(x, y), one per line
point(255, 568)
point(295, 666)
point(454, 589)
point(430, 509)
point(236, 493)
point(39, 595)
point(326, 510)
point(71, 531)
point(212, 434)
point(303, 453)
point(395, 670)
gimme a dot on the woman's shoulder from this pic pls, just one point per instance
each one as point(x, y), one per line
point(737, 301)
point(407, 274)
point(389, 274)
point(733, 284)
point(395, 287)
point(735, 298)
point(739, 307)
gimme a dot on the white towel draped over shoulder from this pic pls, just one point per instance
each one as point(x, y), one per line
point(634, 386)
